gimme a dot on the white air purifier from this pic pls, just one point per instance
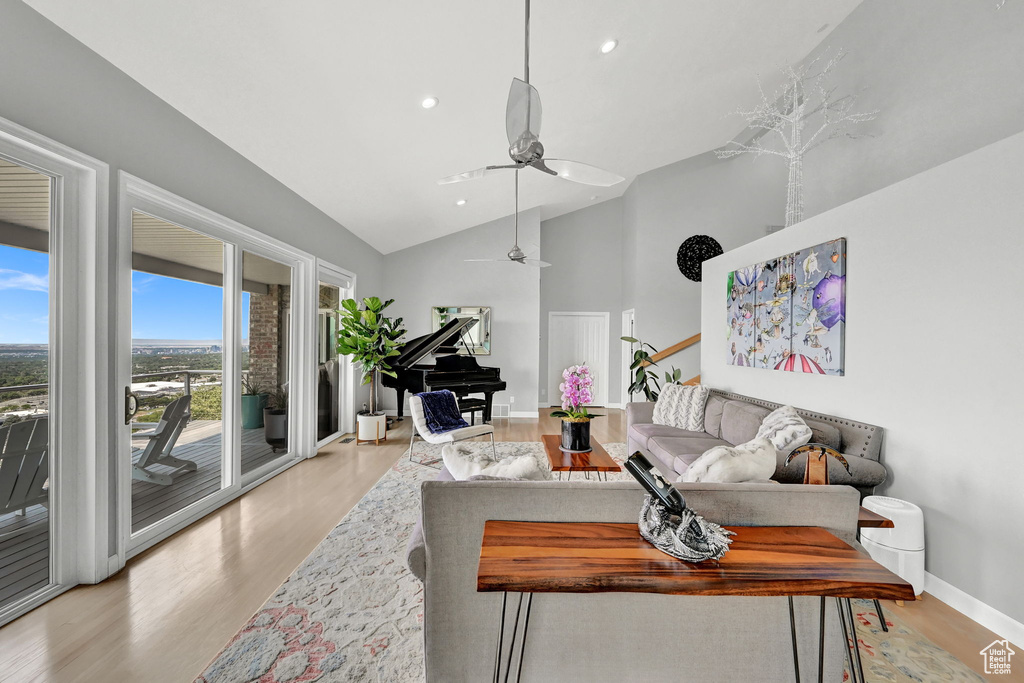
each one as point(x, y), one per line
point(900, 549)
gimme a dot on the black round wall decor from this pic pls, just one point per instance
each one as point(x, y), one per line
point(695, 251)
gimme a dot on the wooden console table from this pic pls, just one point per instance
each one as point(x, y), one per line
point(588, 557)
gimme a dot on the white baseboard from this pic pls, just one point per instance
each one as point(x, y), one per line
point(970, 606)
point(524, 413)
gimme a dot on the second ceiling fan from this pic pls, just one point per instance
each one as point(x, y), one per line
point(522, 124)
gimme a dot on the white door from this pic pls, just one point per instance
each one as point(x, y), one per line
point(575, 339)
point(628, 325)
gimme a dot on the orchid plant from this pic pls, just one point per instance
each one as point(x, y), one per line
point(577, 391)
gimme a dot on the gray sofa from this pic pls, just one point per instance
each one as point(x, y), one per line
point(731, 419)
point(618, 636)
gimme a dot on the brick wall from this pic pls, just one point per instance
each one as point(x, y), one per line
point(265, 328)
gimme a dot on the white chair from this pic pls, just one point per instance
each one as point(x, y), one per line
point(419, 423)
point(161, 443)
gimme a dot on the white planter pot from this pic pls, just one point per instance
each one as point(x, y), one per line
point(371, 428)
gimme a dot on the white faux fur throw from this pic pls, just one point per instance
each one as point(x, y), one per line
point(464, 461)
point(751, 461)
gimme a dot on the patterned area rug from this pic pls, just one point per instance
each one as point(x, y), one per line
point(353, 612)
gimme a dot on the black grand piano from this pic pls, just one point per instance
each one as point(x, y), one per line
point(461, 375)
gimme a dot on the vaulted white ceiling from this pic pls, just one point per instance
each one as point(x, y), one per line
point(325, 94)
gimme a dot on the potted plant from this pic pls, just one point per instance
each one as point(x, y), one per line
point(275, 417)
point(371, 338)
point(253, 401)
point(645, 380)
point(577, 392)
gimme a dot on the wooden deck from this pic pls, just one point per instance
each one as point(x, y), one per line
point(25, 540)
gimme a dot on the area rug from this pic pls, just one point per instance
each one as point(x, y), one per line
point(353, 612)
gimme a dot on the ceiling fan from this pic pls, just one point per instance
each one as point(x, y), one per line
point(522, 124)
point(515, 254)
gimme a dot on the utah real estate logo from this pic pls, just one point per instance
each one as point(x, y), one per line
point(997, 657)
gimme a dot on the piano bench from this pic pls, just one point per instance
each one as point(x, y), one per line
point(472, 406)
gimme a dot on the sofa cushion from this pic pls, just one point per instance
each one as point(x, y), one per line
point(713, 415)
point(668, 448)
point(642, 433)
point(825, 432)
point(741, 420)
point(785, 429)
point(681, 406)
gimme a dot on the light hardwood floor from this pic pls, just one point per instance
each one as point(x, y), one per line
point(172, 609)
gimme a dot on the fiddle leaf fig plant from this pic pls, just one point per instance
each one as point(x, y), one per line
point(371, 338)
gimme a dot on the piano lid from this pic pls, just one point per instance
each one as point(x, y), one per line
point(421, 347)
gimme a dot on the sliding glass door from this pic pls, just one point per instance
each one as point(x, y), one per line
point(333, 372)
point(214, 340)
point(177, 327)
point(266, 362)
point(26, 384)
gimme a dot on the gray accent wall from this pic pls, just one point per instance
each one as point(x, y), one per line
point(436, 273)
point(933, 343)
point(946, 77)
point(54, 85)
point(585, 251)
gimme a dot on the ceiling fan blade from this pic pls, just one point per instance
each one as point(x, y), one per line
point(582, 173)
point(483, 260)
point(473, 175)
point(522, 113)
point(536, 263)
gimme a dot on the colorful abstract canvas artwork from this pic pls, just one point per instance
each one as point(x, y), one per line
point(789, 313)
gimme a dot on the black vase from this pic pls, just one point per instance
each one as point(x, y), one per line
point(576, 436)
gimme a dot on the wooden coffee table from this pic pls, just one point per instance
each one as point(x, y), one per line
point(597, 460)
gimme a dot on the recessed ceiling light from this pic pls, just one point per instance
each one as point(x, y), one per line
point(429, 103)
point(461, 202)
point(609, 45)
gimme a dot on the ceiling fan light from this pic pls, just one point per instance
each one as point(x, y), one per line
point(429, 103)
point(608, 46)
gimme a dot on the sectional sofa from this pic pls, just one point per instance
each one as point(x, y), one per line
point(731, 419)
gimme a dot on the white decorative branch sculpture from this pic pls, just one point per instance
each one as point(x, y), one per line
point(804, 97)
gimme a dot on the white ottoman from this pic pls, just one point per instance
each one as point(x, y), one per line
point(900, 549)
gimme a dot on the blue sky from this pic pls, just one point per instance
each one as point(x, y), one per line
point(162, 307)
point(24, 299)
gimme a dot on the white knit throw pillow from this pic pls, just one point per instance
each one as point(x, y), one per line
point(785, 429)
point(682, 407)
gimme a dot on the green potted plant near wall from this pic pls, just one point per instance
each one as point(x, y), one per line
point(577, 391)
point(253, 401)
point(275, 419)
point(371, 338)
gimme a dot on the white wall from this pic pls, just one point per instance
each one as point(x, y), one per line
point(435, 274)
point(585, 251)
point(933, 355)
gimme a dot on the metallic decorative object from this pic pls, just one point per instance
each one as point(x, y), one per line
point(695, 251)
point(522, 124)
point(691, 539)
point(803, 114)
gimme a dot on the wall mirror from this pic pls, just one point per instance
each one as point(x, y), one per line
point(477, 338)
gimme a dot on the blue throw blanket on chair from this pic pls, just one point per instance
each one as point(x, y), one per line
point(441, 411)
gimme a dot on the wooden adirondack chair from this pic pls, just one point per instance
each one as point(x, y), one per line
point(161, 443)
point(24, 465)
